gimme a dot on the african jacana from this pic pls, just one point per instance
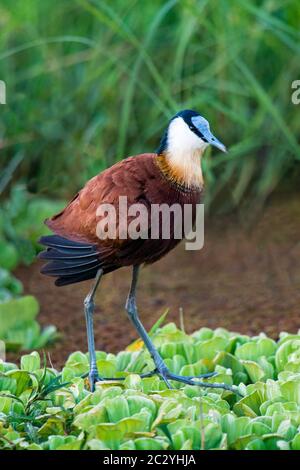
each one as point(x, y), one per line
point(171, 175)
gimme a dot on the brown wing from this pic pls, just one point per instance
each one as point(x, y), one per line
point(78, 221)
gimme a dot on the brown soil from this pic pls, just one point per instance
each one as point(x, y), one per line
point(243, 280)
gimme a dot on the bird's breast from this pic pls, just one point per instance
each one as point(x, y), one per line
point(164, 187)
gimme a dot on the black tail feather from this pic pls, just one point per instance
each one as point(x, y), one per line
point(55, 241)
point(69, 261)
point(66, 280)
point(55, 268)
point(52, 253)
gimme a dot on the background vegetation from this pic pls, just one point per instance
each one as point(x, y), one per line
point(41, 409)
point(91, 81)
point(21, 226)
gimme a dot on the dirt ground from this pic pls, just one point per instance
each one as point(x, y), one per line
point(244, 280)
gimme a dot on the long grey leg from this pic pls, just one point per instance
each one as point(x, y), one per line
point(161, 367)
point(89, 307)
point(134, 317)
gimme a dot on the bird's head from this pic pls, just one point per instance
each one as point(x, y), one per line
point(185, 140)
point(189, 131)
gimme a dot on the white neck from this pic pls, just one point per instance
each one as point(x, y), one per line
point(184, 152)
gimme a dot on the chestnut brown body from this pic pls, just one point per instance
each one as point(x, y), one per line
point(77, 253)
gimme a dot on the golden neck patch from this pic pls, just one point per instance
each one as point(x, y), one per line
point(186, 172)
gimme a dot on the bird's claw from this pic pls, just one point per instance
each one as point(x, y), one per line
point(166, 375)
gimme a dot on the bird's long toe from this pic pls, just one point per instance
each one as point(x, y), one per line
point(166, 375)
point(208, 375)
point(197, 381)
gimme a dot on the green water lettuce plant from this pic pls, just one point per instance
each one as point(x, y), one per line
point(43, 409)
point(18, 326)
point(22, 218)
point(10, 286)
point(21, 225)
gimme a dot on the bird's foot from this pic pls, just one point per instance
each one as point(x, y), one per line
point(166, 375)
point(94, 377)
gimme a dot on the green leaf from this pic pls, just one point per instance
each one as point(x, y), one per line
point(254, 371)
point(291, 390)
point(117, 409)
point(168, 411)
point(5, 403)
point(285, 352)
point(255, 444)
point(228, 361)
point(78, 362)
point(159, 322)
point(249, 405)
point(91, 417)
point(8, 256)
point(203, 334)
point(65, 443)
point(296, 442)
point(17, 312)
point(113, 433)
point(53, 426)
point(31, 362)
point(20, 381)
point(137, 403)
point(252, 351)
point(208, 349)
point(198, 368)
point(234, 427)
point(212, 436)
point(108, 368)
point(148, 443)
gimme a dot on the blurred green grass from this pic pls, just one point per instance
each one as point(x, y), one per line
point(90, 82)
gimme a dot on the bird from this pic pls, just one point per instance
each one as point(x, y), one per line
point(75, 252)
